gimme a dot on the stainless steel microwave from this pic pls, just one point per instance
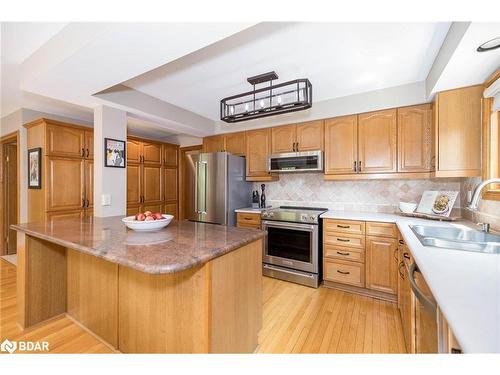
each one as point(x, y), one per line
point(309, 161)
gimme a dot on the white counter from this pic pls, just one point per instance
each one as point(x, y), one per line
point(466, 285)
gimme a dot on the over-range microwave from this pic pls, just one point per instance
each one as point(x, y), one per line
point(308, 161)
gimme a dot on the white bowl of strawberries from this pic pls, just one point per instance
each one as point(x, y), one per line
point(147, 221)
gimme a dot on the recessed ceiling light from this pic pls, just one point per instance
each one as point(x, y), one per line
point(489, 45)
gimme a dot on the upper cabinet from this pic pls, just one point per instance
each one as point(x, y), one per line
point(146, 152)
point(377, 137)
point(134, 151)
point(458, 132)
point(258, 148)
point(69, 141)
point(341, 145)
point(307, 136)
point(234, 143)
point(170, 155)
point(415, 138)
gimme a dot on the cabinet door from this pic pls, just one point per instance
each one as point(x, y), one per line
point(258, 147)
point(152, 184)
point(459, 132)
point(155, 207)
point(133, 210)
point(89, 144)
point(171, 209)
point(51, 217)
point(381, 264)
point(89, 183)
point(151, 153)
point(65, 184)
point(236, 143)
point(341, 145)
point(170, 184)
point(283, 138)
point(377, 141)
point(414, 138)
point(310, 136)
point(170, 155)
point(134, 184)
point(65, 141)
point(214, 143)
point(134, 151)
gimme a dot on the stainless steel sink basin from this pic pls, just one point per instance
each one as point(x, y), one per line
point(457, 238)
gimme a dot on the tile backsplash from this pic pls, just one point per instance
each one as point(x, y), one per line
point(310, 189)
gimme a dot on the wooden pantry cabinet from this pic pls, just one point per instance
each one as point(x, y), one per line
point(307, 136)
point(361, 257)
point(67, 170)
point(152, 176)
point(457, 117)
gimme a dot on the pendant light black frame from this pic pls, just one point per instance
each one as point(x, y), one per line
point(271, 110)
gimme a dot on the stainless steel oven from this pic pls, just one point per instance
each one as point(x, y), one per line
point(292, 248)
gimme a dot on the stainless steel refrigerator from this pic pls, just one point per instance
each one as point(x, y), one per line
point(216, 187)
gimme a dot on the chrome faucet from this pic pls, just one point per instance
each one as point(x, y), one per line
point(474, 202)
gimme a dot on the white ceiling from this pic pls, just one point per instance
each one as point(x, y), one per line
point(340, 59)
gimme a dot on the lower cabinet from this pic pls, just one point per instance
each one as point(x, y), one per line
point(362, 263)
point(248, 220)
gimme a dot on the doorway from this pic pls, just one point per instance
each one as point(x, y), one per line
point(9, 194)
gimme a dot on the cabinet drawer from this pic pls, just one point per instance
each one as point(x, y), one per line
point(247, 225)
point(344, 226)
point(344, 272)
point(245, 218)
point(338, 252)
point(381, 229)
point(344, 240)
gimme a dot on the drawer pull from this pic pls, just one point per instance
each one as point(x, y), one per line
point(343, 240)
point(401, 242)
point(343, 272)
point(406, 255)
point(341, 253)
point(248, 218)
point(343, 226)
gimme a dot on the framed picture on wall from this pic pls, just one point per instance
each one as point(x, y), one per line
point(114, 153)
point(35, 168)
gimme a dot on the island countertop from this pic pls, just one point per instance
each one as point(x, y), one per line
point(179, 246)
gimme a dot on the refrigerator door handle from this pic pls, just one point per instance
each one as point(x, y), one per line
point(205, 166)
point(196, 167)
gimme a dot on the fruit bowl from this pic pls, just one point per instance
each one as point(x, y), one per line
point(147, 226)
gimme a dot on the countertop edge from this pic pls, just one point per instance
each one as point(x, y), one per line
point(217, 252)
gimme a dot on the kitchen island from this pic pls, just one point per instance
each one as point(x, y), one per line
point(188, 288)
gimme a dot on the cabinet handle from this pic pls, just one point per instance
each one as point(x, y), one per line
point(401, 242)
point(247, 218)
point(83, 202)
point(88, 153)
point(406, 255)
point(343, 240)
point(83, 152)
point(342, 253)
point(343, 226)
point(88, 202)
point(359, 166)
point(354, 167)
point(343, 272)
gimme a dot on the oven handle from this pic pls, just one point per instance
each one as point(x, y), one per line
point(280, 224)
point(287, 271)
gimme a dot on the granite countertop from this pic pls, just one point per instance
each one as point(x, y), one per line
point(466, 285)
point(179, 246)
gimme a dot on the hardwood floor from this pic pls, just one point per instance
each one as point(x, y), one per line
point(296, 319)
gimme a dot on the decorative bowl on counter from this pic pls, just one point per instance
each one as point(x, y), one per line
point(407, 207)
point(147, 226)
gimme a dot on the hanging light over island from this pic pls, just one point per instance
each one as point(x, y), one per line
point(270, 100)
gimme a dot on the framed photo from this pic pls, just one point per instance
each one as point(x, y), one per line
point(114, 153)
point(35, 168)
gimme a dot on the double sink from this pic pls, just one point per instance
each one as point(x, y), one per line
point(457, 238)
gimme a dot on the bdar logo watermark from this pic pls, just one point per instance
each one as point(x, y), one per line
point(24, 346)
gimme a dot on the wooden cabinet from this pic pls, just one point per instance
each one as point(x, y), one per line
point(307, 136)
point(63, 215)
point(170, 155)
point(258, 148)
point(89, 144)
point(134, 177)
point(378, 229)
point(134, 151)
point(89, 183)
point(214, 143)
point(283, 139)
point(407, 303)
point(381, 264)
point(414, 138)
point(344, 272)
point(310, 136)
point(65, 183)
point(152, 184)
point(341, 145)
point(377, 140)
point(152, 153)
point(458, 132)
point(235, 143)
point(65, 141)
point(171, 184)
point(248, 220)
point(171, 209)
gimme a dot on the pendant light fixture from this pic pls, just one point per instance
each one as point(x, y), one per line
point(270, 100)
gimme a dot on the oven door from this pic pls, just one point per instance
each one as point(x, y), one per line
point(291, 245)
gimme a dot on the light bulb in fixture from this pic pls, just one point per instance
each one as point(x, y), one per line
point(231, 109)
point(261, 103)
point(278, 99)
point(246, 107)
